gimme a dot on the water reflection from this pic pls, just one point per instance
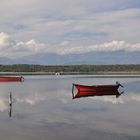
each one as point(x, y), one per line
point(43, 109)
point(10, 104)
point(97, 93)
point(10, 110)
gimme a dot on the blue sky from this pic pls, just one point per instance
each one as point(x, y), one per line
point(65, 27)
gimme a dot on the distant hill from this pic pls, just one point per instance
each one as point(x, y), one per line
point(4, 60)
point(120, 57)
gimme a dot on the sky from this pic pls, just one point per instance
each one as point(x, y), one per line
point(33, 28)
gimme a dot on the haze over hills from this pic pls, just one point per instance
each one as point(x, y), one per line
point(4, 60)
point(119, 57)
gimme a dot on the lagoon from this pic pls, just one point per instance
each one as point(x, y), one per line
point(43, 108)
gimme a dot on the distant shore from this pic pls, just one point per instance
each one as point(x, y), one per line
point(94, 74)
point(130, 70)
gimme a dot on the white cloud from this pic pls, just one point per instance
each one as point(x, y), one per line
point(121, 100)
point(52, 21)
point(32, 100)
point(106, 26)
point(12, 49)
point(3, 39)
point(5, 42)
point(105, 47)
point(3, 105)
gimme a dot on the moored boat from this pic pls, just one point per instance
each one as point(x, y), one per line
point(95, 90)
point(11, 79)
point(87, 88)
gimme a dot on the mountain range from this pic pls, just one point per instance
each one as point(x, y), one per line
point(120, 57)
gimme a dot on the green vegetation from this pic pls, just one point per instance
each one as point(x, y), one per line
point(71, 68)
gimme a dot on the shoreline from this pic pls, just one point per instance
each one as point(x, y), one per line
point(93, 74)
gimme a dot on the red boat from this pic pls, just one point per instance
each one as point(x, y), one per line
point(11, 79)
point(96, 90)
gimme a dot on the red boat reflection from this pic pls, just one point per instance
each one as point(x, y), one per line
point(96, 90)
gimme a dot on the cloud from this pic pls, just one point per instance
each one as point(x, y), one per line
point(3, 38)
point(12, 49)
point(51, 22)
point(121, 100)
point(105, 47)
point(3, 105)
point(32, 100)
point(94, 27)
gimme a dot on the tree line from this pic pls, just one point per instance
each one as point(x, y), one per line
point(69, 68)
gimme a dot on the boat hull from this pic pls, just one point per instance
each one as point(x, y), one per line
point(11, 79)
point(96, 88)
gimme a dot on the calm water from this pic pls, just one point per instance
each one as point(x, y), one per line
point(43, 108)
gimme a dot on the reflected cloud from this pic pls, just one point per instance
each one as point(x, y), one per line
point(3, 104)
point(121, 100)
point(32, 99)
point(35, 98)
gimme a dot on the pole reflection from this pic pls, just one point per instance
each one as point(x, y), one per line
point(10, 104)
